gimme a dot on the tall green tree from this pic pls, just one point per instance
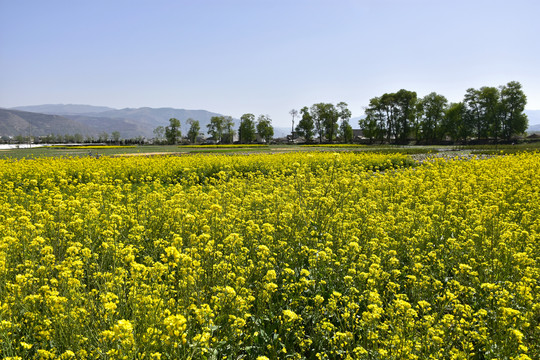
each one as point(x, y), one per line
point(473, 113)
point(330, 118)
point(317, 114)
point(346, 131)
point(216, 127)
point(159, 133)
point(405, 105)
point(392, 115)
point(485, 113)
point(326, 117)
point(455, 122)
point(433, 107)
point(115, 136)
point(512, 106)
point(228, 130)
point(387, 103)
point(306, 127)
point(416, 124)
point(103, 137)
point(194, 129)
point(490, 111)
point(368, 126)
point(344, 114)
point(246, 130)
point(172, 132)
point(373, 126)
point(265, 128)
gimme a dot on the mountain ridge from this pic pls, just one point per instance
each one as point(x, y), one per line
point(16, 122)
point(62, 109)
point(94, 120)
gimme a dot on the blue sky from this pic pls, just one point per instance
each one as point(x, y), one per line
point(261, 56)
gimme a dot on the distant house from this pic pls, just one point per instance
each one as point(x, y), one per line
point(200, 137)
point(358, 133)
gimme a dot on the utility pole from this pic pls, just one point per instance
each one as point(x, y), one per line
point(294, 113)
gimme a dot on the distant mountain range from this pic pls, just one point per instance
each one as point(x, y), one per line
point(63, 109)
point(90, 120)
point(15, 122)
point(534, 120)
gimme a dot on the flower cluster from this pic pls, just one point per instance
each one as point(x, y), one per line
point(90, 146)
point(224, 146)
point(305, 256)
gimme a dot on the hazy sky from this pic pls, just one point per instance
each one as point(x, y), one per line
point(262, 56)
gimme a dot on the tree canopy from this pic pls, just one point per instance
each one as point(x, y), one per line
point(306, 127)
point(172, 132)
point(265, 128)
point(246, 131)
point(488, 113)
point(484, 114)
point(216, 127)
point(194, 128)
point(324, 118)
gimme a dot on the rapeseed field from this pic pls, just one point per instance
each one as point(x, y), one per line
point(286, 256)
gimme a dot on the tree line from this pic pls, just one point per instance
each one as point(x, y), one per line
point(220, 128)
point(321, 120)
point(77, 138)
point(488, 113)
point(485, 114)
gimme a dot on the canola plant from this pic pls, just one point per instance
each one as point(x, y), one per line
point(302, 256)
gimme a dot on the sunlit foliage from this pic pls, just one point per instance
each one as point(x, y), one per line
point(305, 255)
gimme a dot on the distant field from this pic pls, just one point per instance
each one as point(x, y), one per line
point(149, 150)
point(69, 151)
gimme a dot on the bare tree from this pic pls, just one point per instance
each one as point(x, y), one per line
point(294, 113)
